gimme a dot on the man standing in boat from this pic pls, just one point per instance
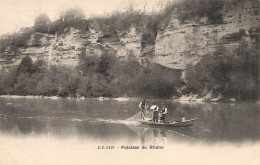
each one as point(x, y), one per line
point(155, 109)
point(142, 106)
point(163, 113)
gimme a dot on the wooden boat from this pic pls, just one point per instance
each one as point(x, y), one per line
point(178, 123)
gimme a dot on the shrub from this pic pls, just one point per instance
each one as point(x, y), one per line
point(58, 80)
point(108, 76)
point(189, 9)
point(232, 74)
point(72, 18)
point(8, 81)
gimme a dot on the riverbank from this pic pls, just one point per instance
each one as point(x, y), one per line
point(204, 99)
point(182, 99)
point(77, 98)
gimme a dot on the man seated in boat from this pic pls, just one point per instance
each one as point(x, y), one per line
point(155, 109)
point(163, 113)
point(142, 106)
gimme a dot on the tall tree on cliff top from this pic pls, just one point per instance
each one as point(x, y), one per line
point(130, 6)
point(72, 14)
point(42, 23)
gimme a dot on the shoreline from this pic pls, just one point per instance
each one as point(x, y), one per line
point(76, 98)
point(183, 99)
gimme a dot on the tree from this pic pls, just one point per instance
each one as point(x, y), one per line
point(39, 66)
point(229, 73)
point(144, 6)
point(161, 4)
point(88, 64)
point(8, 81)
point(105, 66)
point(131, 5)
point(42, 23)
point(26, 65)
point(72, 14)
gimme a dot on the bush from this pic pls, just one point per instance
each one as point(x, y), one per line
point(73, 14)
point(189, 9)
point(25, 65)
point(8, 81)
point(232, 74)
point(59, 80)
point(107, 76)
point(27, 84)
point(15, 40)
point(72, 18)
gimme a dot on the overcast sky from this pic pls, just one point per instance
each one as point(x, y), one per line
point(15, 14)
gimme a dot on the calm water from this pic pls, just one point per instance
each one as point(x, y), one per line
point(106, 120)
point(94, 122)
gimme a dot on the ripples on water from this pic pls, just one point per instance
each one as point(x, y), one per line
point(79, 126)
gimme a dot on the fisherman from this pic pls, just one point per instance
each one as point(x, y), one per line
point(155, 109)
point(163, 113)
point(142, 106)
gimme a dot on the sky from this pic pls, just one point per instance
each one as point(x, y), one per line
point(15, 14)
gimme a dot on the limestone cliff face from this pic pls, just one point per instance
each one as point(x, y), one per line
point(177, 45)
point(66, 48)
point(180, 45)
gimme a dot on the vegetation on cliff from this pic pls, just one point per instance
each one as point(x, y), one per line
point(225, 73)
point(229, 74)
point(105, 76)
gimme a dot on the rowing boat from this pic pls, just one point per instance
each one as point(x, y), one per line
point(186, 123)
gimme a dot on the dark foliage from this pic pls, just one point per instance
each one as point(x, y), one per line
point(42, 23)
point(189, 9)
point(232, 74)
point(105, 76)
point(15, 40)
point(59, 25)
point(73, 18)
point(121, 21)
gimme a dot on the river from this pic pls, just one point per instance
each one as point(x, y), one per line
point(71, 131)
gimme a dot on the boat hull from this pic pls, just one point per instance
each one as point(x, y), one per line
point(170, 124)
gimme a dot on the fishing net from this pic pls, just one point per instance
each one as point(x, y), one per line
point(148, 114)
point(138, 116)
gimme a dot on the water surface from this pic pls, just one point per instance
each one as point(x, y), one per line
point(95, 122)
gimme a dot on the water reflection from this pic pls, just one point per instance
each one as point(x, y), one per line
point(66, 131)
point(105, 120)
point(155, 136)
point(160, 136)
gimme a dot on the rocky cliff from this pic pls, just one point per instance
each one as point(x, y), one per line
point(66, 48)
point(177, 44)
